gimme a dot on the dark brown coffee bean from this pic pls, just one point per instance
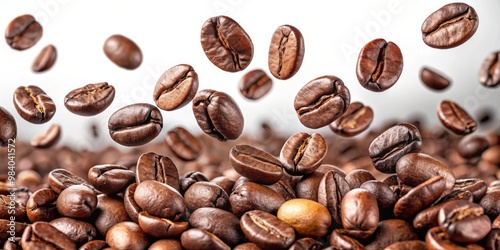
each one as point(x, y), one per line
point(60, 179)
point(226, 44)
point(218, 115)
point(464, 221)
point(389, 232)
point(252, 196)
point(110, 211)
point(123, 52)
point(33, 104)
point(415, 168)
point(161, 200)
point(303, 153)
point(176, 87)
point(437, 238)
point(490, 202)
point(129, 203)
point(8, 132)
point(163, 244)
point(255, 84)
point(284, 188)
point(331, 190)
point(151, 166)
point(286, 52)
point(355, 120)
point(450, 26)
point(77, 201)
point(306, 243)
point(221, 223)
point(433, 79)
point(489, 73)
point(47, 138)
point(126, 235)
point(110, 178)
point(359, 213)
point(379, 65)
point(357, 177)
point(307, 217)
point(224, 182)
point(321, 101)
point(266, 230)
point(90, 99)
point(94, 245)
point(386, 149)
point(79, 232)
point(455, 118)
point(382, 192)
point(477, 187)
point(195, 238)
point(191, 178)
point(45, 59)
point(10, 228)
point(492, 240)
point(338, 240)
point(42, 235)
point(183, 144)
point(492, 155)
point(23, 32)
point(256, 165)
point(407, 245)
point(206, 194)
point(247, 246)
point(472, 146)
point(10, 206)
point(41, 205)
point(135, 124)
point(419, 197)
point(161, 227)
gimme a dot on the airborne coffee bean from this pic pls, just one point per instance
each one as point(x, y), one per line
point(90, 99)
point(45, 60)
point(255, 84)
point(256, 165)
point(123, 52)
point(23, 32)
point(9, 127)
point(176, 87)
point(33, 104)
point(355, 120)
point(48, 137)
point(489, 73)
point(303, 153)
point(455, 118)
point(183, 144)
point(286, 52)
point(433, 79)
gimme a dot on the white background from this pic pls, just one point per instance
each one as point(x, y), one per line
point(168, 32)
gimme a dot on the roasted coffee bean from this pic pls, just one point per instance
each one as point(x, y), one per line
point(126, 235)
point(60, 179)
point(255, 84)
point(9, 228)
point(123, 52)
point(455, 118)
point(90, 99)
point(226, 44)
point(355, 120)
point(321, 101)
point(450, 26)
point(266, 230)
point(407, 245)
point(419, 197)
point(284, 188)
point(161, 227)
point(221, 223)
point(306, 243)
point(389, 232)
point(78, 231)
point(379, 65)
point(45, 59)
point(492, 240)
point(331, 190)
point(176, 87)
point(492, 155)
point(206, 194)
point(307, 217)
point(357, 177)
point(472, 146)
point(161, 200)
point(415, 168)
point(151, 166)
point(94, 245)
point(490, 202)
point(8, 132)
point(135, 124)
point(433, 79)
point(42, 235)
point(464, 221)
point(110, 178)
point(286, 52)
point(129, 203)
point(476, 186)
point(191, 178)
point(359, 213)
point(303, 153)
point(256, 165)
point(437, 238)
point(163, 244)
point(47, 138)
point(307, 187)
point(386, 149)
point(33, 104)
point(41, 205)
point(23, 32)
point(338, 240)
point(247, 246)
point(183, 144)
point(10, 206)
point(77, 201)
point(110, 210)
point(489, 73)
point(224, 182)
point(218, 115)
point(252, 196)
point(382, 192)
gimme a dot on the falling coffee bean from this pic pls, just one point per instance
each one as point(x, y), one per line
point(23, 32)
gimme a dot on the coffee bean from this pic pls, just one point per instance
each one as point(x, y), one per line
point(382, 192)
point(464, 221)
point(266, 230)
point(176, 87)
point(492, 240)
point(48, 138)
point(218, 115)
point(41, 205)
point(224, 182)
point(90, 99)
point(419, 197)
point(135, 124)
point(183, 144)
point(284, 188)
point(389, 232)
point(256, 165)
point(386, 149)
point(247, 246)
point(206, 194)
point(221, 223)
point(455, 118)
point(307, 217)
point(191, 178)
point(255, 84)
point(450, 26)
point(195, 238)
point(94, 245)
point(60, 179)
point(45, 59)
point(359, 213)
point(77, 201)
point(23, 32)
point(338, 240)
point(126, 235)
point(433, 79)
point(162, 244)
point(355, 120)
point(151, 166)
point(490, 202)
point(415, 168)
point(226, 44)
point(321, 101)
point(357, 177)
point(286, 52)
point(331, 190)
point(110, 211)
point(7, 226)
point(9, 127)
point(33, 104)
point(472, 146)
point(379, 65)
point(161, 227)
point(489, 73)
point(303, 153)
point(110, 178)
point(161, 200)
point(78, 231)
point(437, 238)
point(123, 52)
point(407, 245)
point(252, 196)
point(42, 235)
point(306, 243)
point(129, 203)
point(476, 186)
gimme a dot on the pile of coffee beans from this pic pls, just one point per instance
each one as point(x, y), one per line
point(403, 185)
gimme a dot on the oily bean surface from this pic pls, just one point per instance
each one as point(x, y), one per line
point(161, 200)
point(255, 84)
point(90, 99)
point(161, 227)
point(126, 235)
point(152, 166)
point(359, 213)
point(256, 165)
point(303, 153)
point(307, 217)
point(464, 221)
point(123, 52)
point(23, 32)
point(77, 201)
point(33, 104)
point(195, 238)
point(183, 144)
point(472, 146)
point(433, 79)
point(415, 168)
point(419, 197)
point(110, 178)
point(252, 196)
point(286, 52)
point(176, 87)
point(221, 223)
point(355, 120)
point(45, 59)
point(266, 230)
point(455, 118)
